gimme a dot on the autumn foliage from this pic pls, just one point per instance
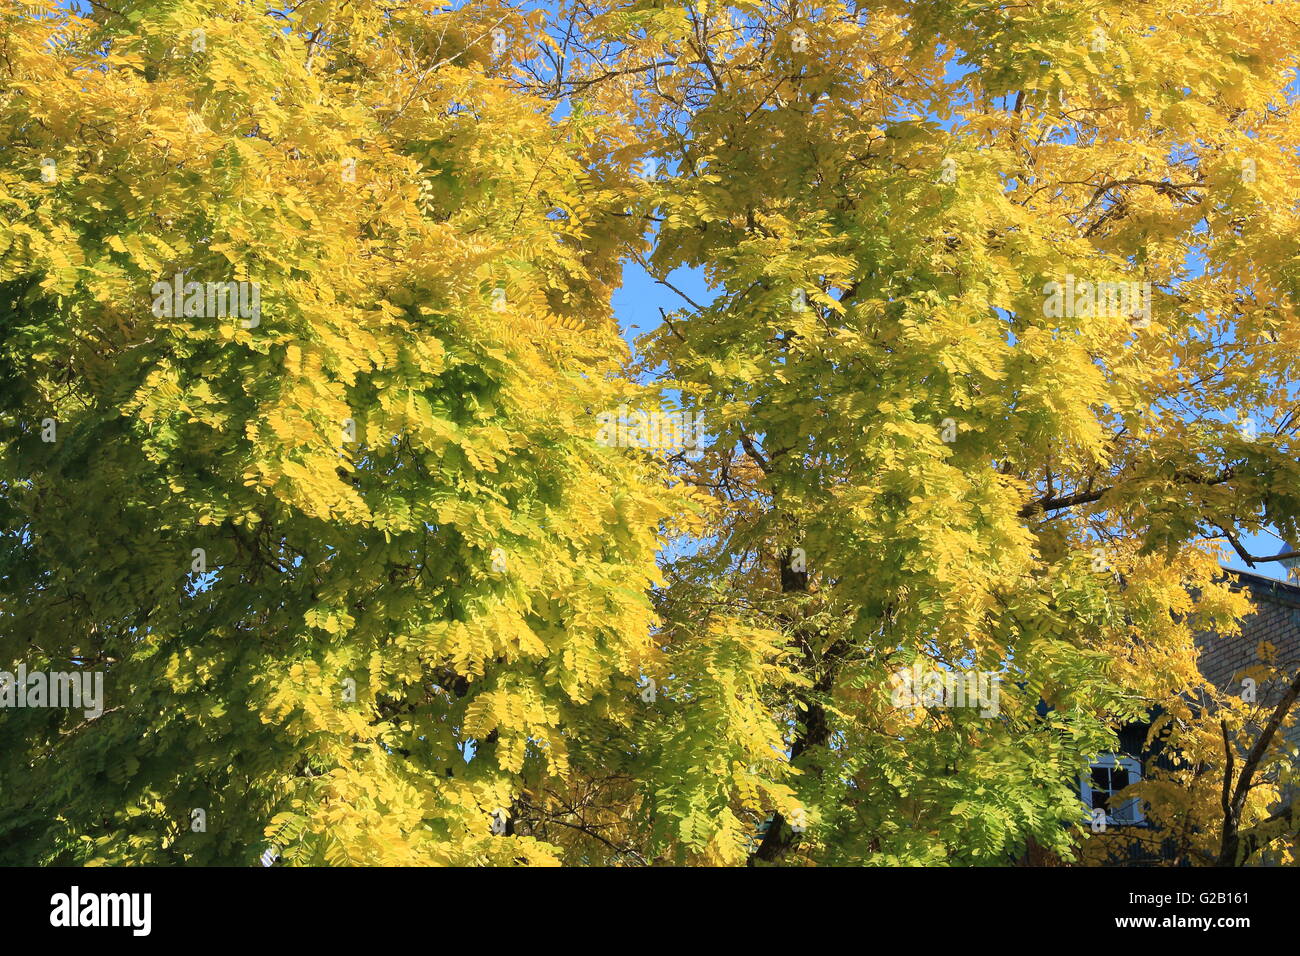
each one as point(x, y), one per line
point(1000, 352)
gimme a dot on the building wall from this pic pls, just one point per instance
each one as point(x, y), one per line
point(1276, 619)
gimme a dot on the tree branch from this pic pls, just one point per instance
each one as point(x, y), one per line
point(1237, 847)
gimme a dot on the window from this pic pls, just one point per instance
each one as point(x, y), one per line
point(1109, 774)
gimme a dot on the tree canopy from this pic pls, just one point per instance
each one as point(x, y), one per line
point(307, 369)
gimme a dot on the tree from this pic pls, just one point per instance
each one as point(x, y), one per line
point(329, 544)
point(1002, 344)
point(1239, 842)
point(1000, 350)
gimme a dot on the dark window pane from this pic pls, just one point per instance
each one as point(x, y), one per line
point(1101, 788)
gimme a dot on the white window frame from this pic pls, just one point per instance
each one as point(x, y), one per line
point(1128, 814)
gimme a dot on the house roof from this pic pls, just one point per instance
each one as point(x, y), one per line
point(1274, 588)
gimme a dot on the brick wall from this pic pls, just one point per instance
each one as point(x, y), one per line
point(1276, 619)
